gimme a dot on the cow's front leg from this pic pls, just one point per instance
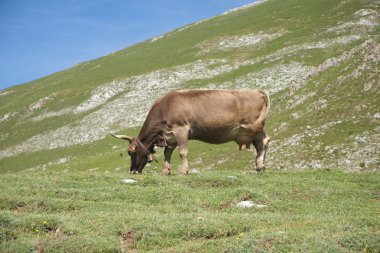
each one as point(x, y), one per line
point(182, 136)
point(261, 144)
point(168, 153)
point(183, 151)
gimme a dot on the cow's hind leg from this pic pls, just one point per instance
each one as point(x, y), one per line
point(181, 133)
point(261, 144)
point(168, 153)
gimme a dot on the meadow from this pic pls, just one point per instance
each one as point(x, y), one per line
point(93, 210)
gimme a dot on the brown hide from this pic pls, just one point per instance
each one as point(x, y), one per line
point(213, 116)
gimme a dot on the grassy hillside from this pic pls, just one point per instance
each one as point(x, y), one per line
point(320, 62)
point(312, 211)
point(318, 59)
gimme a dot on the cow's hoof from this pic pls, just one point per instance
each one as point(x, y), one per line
point(184, 172)
point(260, 169)
point(166, 172)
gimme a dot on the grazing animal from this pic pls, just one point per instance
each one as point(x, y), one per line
point(212, 116)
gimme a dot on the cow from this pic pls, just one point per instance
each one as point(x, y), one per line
point(211, 116)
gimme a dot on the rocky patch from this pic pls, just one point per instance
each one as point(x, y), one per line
point(240, 42)
point(5, 93)
point(272, 79)
point(51, 114)
point(47, 165)
point(7, 116)
point(363, 22)
point(40, 103)
point(244, 7)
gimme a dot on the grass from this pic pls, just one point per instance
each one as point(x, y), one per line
point(309, 211)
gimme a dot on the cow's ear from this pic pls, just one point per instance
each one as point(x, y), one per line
point(161, 142)
point(132, 147)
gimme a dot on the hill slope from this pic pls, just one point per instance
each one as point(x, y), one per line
point(61, 175)
point(319, 60)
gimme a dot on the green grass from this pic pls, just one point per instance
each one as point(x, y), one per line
point(309, 211)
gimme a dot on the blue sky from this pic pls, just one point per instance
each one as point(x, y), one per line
point(40, 37)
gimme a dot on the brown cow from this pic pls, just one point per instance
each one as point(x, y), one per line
point(212, 116)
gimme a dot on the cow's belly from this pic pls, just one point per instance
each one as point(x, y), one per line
point(218, 136)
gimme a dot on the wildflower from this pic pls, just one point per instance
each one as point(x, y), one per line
point(45, 222)
point(240, 236)
point(37, 230)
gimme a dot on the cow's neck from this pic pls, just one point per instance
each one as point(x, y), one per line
point(151, 129)
point(147, 136)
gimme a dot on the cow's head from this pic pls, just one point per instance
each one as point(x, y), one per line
point(140, 155)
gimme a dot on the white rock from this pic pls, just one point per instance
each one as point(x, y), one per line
point(245, 204)
point(232, 177)
point(221, 161)
point(129, 181)
point(248, 204)
point(194, 171)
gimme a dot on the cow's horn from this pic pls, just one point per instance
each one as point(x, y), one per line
point(124, 137)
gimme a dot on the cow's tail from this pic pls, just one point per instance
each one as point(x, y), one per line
point(267, 101)
point(265, 111)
